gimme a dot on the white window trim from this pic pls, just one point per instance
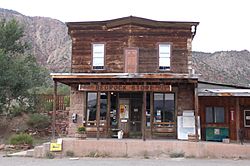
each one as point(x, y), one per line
point(98, 56)
point(164, 55)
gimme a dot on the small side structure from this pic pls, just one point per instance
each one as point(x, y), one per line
point(224, 111)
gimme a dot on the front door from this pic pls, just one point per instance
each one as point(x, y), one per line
point(131, 60)
point(135, 118)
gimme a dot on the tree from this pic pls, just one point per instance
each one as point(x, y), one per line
point(19, 71)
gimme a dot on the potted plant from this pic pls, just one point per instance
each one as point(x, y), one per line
point(81, 132)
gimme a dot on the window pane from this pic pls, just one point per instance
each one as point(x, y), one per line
point(91, 110)
point(98, 48)
point(103, 106)
point(209, 115)
point(164, 105)
point(168, 114)
point(158, 107)
point(218, 114)
point(164, 48)
point(98, 62)
point(164, 61)
point(98, 55)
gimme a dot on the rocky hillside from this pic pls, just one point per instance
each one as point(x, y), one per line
point(51, 46)
point(47, 37)
point(231, 67)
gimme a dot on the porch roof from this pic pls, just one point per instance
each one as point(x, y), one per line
point(224, 92)
point(71, 78)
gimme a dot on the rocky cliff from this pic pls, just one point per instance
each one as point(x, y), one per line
point(47, 37)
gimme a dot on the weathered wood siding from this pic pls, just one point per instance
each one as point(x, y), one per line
point(229, 104)
point(117, 39)
point(185, 98)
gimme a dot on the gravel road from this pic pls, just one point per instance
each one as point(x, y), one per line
point(23, 161)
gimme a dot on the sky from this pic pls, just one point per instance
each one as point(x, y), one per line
point(224, 24)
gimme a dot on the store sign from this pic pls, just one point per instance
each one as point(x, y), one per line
point(103, 88)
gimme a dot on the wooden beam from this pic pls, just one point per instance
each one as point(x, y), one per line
point(85, 105)
point(98, 115)
point(108, 113)
point(144, 115)
point(196, 112)
point(54, 110)
point(151, 113)
point(237, 112)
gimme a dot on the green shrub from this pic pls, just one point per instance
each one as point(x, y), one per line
point(39, 121)
point(70, 153)
point(48, 106)
point(81, 129)
point(49, 155)
point(66, 101)
point(177, 154)
point(16, 110)
point(20, 139)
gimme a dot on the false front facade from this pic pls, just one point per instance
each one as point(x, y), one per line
point(132, 74)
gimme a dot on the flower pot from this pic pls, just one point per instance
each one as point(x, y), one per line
point(81, 135)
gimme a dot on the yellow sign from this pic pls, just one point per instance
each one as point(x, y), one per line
point(55, 147)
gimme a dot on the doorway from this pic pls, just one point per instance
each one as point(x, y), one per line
point(130, 110)
point(135, 118)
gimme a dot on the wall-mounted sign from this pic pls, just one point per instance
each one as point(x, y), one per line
point(103, 88)
point(247, 118)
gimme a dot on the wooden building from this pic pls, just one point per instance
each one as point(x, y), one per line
point(224, 111)
point(131, 74)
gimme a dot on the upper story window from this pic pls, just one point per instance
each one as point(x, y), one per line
point(164, 56)
point(98, 56)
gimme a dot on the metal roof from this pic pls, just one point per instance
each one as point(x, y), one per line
point(224, 92)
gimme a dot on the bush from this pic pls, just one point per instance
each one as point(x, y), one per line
point(66, 101)
point(81, 129)
point(49, 155)
point(70, 153)
point(16, 111)
point(39, 121)
point(20, 139)
point(48, 106)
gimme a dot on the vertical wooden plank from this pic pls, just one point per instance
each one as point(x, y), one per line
point(85, 104)
point(151, 113)
point(196, 112)
point(144, 115)
point(108, 113)
point(237, 112)
point(98, 114)
point(54, 110)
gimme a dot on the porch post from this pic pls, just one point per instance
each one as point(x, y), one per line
point(151, 113)
point(196, 111)
point(54, 110)
point(108, 114)
point(98, 114)
point(237, 112)
point(144, 115)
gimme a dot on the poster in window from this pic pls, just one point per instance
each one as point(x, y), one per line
point(124, 111)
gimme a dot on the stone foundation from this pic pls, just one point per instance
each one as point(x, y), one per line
point(151, 148)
